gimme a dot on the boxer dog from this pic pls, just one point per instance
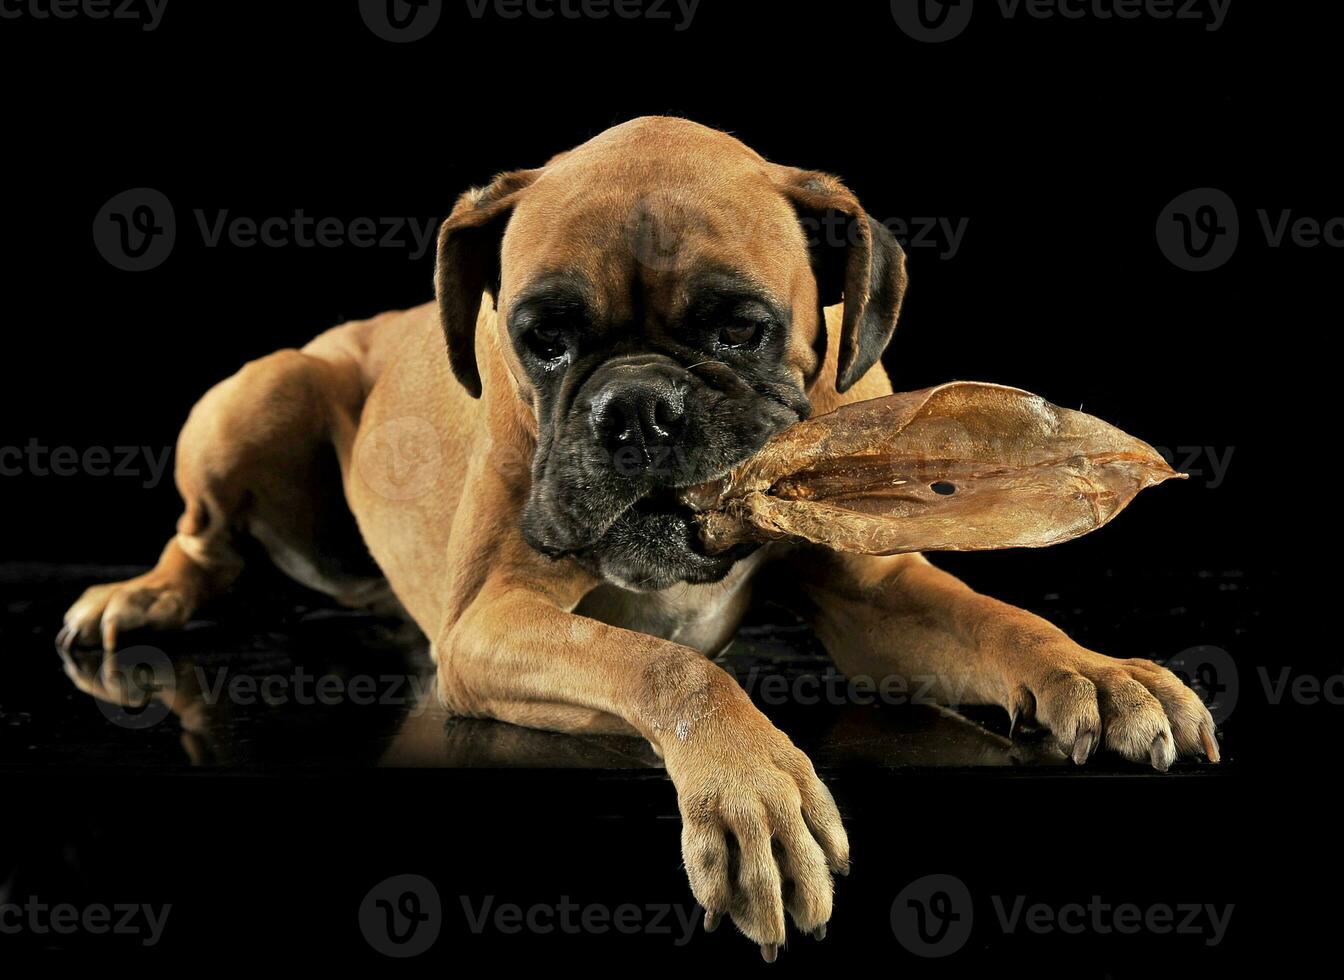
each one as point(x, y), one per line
point(634, 317)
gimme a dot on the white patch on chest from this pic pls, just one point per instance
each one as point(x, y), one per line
point(703, 617)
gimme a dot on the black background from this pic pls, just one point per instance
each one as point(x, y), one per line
point(1059, 142)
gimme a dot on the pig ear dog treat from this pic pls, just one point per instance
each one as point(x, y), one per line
point(964, 466)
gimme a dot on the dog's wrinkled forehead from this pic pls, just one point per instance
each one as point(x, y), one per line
point(634, 232)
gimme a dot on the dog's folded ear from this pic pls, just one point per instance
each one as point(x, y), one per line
point(854, 258)
point(468, 266)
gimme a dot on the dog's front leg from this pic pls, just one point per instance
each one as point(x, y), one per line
point(760, 833)
point(902, 617)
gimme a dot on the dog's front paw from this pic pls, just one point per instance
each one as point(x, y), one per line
point(104, 612)
point(1133, 707)
point(760, 832)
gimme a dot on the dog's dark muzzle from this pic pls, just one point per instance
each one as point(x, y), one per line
point(638, 428)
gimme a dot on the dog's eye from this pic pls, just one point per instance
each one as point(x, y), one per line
point(547, 343)
point(739, 334)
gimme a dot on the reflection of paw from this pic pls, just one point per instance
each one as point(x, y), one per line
point(104, 676)
point(760, 833)
point(1138, 709)
point(104, 612)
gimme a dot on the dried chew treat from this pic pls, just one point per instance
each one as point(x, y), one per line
point(963, 466)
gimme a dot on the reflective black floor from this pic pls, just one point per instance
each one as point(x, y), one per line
point(277, 679)
point(293, 757)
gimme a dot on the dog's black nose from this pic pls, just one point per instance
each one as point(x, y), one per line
point(639, 420)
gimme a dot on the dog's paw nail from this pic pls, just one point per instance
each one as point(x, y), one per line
point(819, 933)
point(1162, 753)
point(1082, 748)
point(769, 951)
point(1210, 741)
point(712, 920)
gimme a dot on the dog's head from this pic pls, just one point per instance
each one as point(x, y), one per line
point(659, 293)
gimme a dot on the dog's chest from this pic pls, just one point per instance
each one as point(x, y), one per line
point(703, 617)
